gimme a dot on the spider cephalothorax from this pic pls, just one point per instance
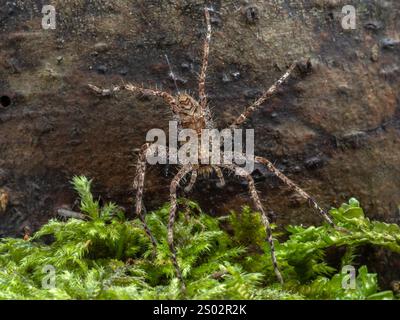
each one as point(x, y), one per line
point(188, 105)
point(191, 115)
point(194, 114)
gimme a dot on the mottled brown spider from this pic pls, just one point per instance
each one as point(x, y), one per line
point(195, 114)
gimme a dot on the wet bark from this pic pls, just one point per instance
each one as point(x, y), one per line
point(333, 130)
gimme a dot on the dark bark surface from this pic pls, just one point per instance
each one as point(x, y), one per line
point(335, 131)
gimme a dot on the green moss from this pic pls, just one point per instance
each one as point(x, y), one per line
point(108, 257)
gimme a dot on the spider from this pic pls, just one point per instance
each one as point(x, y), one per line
point(195, 114)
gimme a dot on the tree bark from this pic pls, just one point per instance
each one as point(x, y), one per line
point(334, 130)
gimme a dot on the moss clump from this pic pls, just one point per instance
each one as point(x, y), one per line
point(108, 257)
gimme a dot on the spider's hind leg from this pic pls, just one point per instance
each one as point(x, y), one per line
point(295, 188)
point(192, 181)
point(172, 217)
point(220, 176)
point(264, 217)
point(138, 185)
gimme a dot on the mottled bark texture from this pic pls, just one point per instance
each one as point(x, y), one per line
point(334, 130)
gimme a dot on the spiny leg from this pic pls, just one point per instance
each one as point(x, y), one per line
point(192, 181)
point(206, 52)
point(267, 94)
point(105, 92)
point(168, 98)
point(254, 196)
point(295, 187)
point(138, 185)
point(220, 176)
point(172, 217)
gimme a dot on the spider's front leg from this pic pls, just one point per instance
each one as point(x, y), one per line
point(206, 52)
point(104, 92)
point(172, 217)
point(138, 185)
point(267, 94)
point(168, 98)
point(295, 188)
point(257, 202)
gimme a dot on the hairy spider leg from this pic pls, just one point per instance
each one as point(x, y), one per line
point(220, 176)
point(172, 217)
point(295, 188)
point(206, 52)
point(168, 98)
point(266, 95)
point(257, 202)
point(138, 185)
point(192, 181)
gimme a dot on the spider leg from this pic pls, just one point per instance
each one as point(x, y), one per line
point(172, 217)
point(104, 92)
point(168, 98)
point(138, 185)
point(192, 182)
point(267, 94)
point(257, 202)
point(220, 176)
point(295, 188)
point(206, 51)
